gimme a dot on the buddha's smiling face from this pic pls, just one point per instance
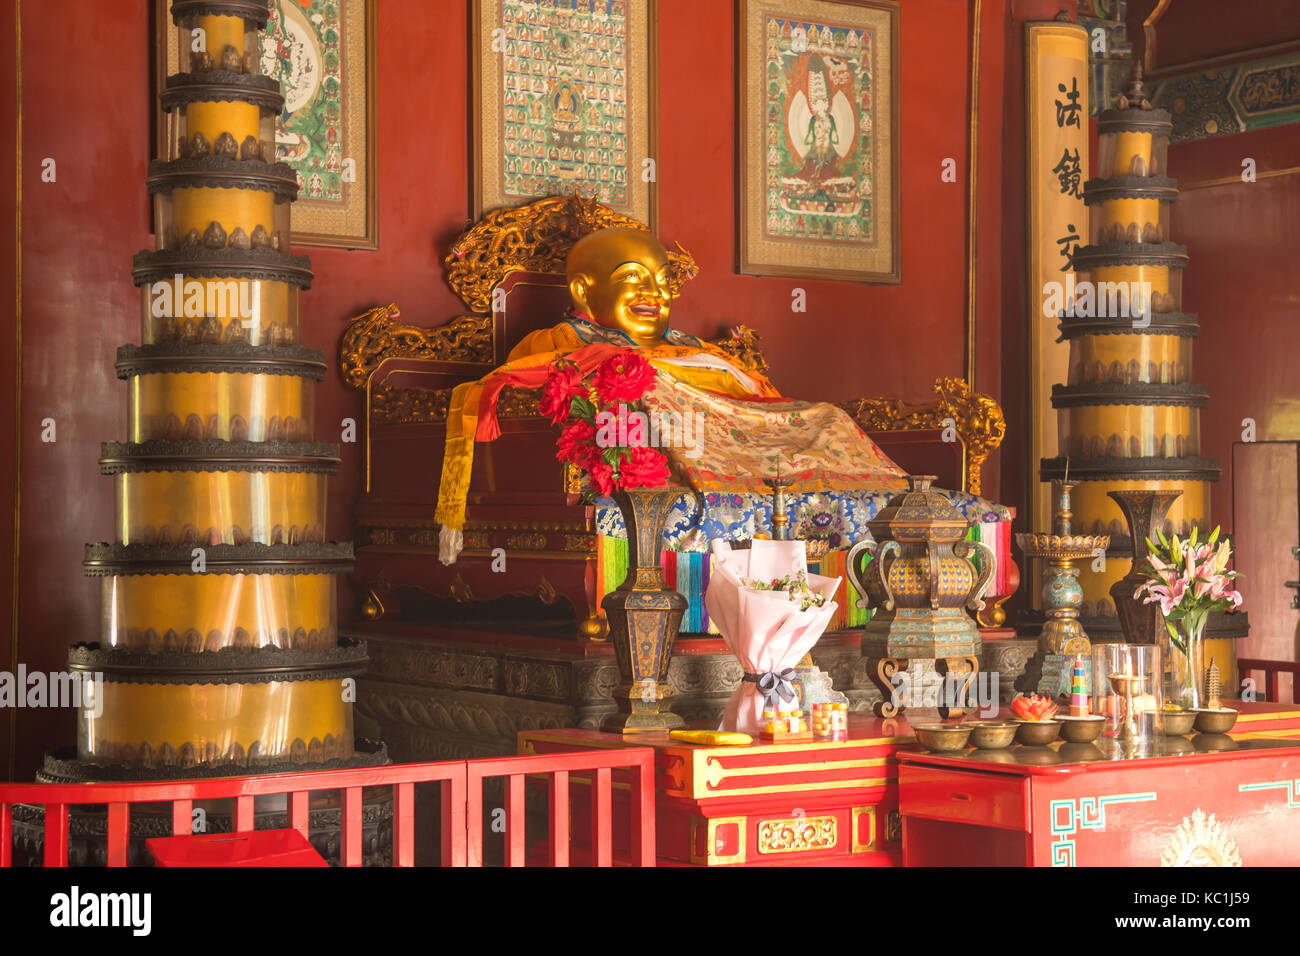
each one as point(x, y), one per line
point(619, 277)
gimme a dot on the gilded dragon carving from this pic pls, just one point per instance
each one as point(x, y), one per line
point(742, 345)
point(536, 238)
point(975, 418)
point(378, 334)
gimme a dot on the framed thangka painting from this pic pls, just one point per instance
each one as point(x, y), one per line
point(564, 104)
point(322, 52)
point(819, 139)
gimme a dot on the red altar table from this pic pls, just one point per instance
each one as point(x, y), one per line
point(820, 802)
point(1074, 805)
point(827, 803)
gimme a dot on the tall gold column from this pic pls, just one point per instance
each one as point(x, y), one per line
point(219, 648)
point(1129, 412)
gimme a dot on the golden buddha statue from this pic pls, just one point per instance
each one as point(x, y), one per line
point(618, 283)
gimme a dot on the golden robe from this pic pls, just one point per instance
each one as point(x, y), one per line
point(749, 431)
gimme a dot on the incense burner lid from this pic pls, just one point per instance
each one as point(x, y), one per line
point(918, 515)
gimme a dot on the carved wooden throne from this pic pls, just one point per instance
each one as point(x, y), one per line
point(508, 268)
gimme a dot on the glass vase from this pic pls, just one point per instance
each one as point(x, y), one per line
point(1187, 663)
point(1127, 691)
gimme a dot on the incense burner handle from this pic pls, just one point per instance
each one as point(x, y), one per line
point(880, 570)
point(964, 549)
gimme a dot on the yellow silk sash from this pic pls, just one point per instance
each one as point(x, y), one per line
point(542, 348)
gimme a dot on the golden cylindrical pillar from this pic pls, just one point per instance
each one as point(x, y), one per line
point(219, 647)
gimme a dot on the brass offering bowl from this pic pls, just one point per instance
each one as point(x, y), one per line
point(1179, 722)
point(1213, 721)
point(942, 738)
point(1037, 733)
point(992, 734)
point(1081, 730)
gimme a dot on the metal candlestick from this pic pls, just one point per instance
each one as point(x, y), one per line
point(780, 520)
point(1062, 596)
point(1063, 636)
point(1123, 684)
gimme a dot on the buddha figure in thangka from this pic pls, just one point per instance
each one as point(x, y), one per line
point(618, 282)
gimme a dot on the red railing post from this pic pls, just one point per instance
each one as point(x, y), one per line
point(299, 815)
point(602, 824)
point(182, 817)
point(473, 817)
point(350, 851)
point(119, 832)
point(6, 835)
point(404, 824)
point(243, 814)
point(642, 813)
point(515, 827)
point(455, 820)
point(56, 834)
point(559, 817)
point(1273, 671)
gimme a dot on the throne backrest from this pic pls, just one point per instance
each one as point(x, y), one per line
point(519, 254)
point(508, 268)
point(533, 301)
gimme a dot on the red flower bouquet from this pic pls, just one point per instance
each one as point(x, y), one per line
point(589, 409)
point(623, 378)
point(562, 386)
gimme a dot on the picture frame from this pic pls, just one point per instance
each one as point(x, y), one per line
point(335, 157)
point(812, 202)
point(581, 89)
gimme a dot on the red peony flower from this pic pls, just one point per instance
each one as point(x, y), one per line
point(624, 377)
point(643, 468)
point(602, 478)
point(561, 386)
point(577, 444)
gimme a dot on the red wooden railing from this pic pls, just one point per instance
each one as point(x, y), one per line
point(461, 805)
point(1272, 670)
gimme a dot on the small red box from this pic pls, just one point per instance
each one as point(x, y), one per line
point(253, 848)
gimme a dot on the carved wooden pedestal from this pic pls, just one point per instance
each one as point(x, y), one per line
point(881, 670)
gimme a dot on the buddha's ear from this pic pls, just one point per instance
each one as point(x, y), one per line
point(578, 287)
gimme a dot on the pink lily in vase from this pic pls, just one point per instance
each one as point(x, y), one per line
point(1189, 580)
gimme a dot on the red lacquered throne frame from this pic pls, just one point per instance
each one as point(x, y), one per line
point(508, 269)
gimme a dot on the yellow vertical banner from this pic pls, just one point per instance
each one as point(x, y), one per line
point(1056, 139)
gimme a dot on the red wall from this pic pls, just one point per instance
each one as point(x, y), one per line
point(1242, 240)
point(86, 102)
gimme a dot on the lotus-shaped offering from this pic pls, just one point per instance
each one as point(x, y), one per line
point(1033, 707)
point(771, 612)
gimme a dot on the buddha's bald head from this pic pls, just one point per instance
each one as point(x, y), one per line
point(619, 277)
